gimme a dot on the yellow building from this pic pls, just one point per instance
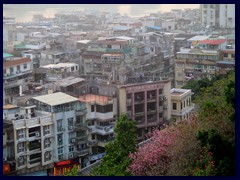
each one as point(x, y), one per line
point(181, 103)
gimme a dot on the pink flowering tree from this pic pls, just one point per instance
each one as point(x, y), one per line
point(154, 157)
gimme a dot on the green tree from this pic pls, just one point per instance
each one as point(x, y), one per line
point(117, 159)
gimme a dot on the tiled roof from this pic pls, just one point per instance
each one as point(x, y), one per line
point(213, 41)
point(10, 63)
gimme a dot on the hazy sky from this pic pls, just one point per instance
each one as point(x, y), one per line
point(24, 12)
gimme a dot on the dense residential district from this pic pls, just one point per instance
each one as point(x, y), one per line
point(68, 80)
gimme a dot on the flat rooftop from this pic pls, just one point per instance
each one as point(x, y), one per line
point(179, 92)
point(69, 81)
point(9, 106)
point(56, 99)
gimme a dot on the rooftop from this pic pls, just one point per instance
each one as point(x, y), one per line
point(9, 106)
point(15, 62)
point(59, 65)
point(6, 55)
point(198, 38)
point(213, 41)
point(69, 81)
point(56, 99)
point(179, 92)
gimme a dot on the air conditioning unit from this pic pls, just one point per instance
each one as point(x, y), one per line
point(70, 127)
point(37, 134)
point(4, 158)
point(62, 129)
point(73, 140)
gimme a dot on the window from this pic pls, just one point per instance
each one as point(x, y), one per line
point(72, 68)
point(181, 105)
point(225, 55)
point(139, 132)
point(179, 83)
point(104, 109)
point(179, 74)
point(11, 69)
point(25, 66)
point(212, 67)
point(79, 119)
point(70, 137)
point(160, 91)
point(71, 148)
point(205, 66)
point(70, 122)
point(180, 64)
point(233, 56)
point(20, 134)
point(21, 161)
point(60, 139)
point(60, 150)
point(18, 68)
point(20, 147)
point(160, 115)
point(47, 143)
point(174, 106)
point(92, 108)
point(46, 130)
point(47, 156)
point(59, 125)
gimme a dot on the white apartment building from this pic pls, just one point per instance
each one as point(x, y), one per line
point(68, 115)
point(218, 15)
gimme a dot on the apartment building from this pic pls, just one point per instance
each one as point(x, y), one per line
point(60, 71)
point(218, 15)
point(181, 104)
point(101, 117)
point(30, 144)
point(52, 57)
point(34, 55)
point(68, 115)
point(146, 103)
point(16, 72)
point(9, 163)
point(194, 64)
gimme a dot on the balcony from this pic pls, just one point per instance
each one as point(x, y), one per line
point(92, 143)
point(34, 135)
point(152, 120)
point(81, 112)
point(80, 126)
point(151, 112)
point(151, 99)
point(139, 114)
point(78, 140)
point(183, 111)
point(104, 142)
point(102, 130)
point(82, 152)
